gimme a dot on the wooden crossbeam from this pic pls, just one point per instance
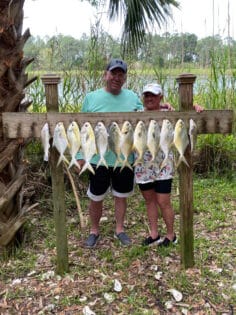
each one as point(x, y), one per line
point(29, 125)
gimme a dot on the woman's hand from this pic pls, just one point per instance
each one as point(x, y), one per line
point(198, 108)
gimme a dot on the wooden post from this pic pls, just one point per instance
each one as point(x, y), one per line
point(58, 190)
point(186, 179)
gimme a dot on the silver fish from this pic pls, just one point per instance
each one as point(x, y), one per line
point(88, 146)
point(140, 141)
point(60, 141)
point(166, 140)
point(101, 137)
point(114, 141)
point(45, 137)
point(73, 135)
point(192, 134)
point(181, 141)
point(153, 139)
point(126, 143)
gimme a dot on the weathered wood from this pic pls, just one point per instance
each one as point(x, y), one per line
point(10, 192)
point(26, 125)
point(186, 178)
point(8, 154)
point(58, 187)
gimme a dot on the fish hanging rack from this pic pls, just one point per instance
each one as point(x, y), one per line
point(29, 125)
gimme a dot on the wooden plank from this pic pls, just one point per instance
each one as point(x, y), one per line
point(27, 125)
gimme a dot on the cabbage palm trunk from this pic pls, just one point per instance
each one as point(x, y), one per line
point(13, 81)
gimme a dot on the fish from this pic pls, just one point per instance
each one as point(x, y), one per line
point(126, 143)
point(60, 142)
point(74, 139)
point(114, 141)
point(192, 134)
point(181, 141)
point(153, 139)
point(140, 141)
point(101, 138)
point(88, 146)
point(45, 137)
point(166, 140)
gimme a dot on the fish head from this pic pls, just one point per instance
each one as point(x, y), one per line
point(180, 125)
point(126, 127)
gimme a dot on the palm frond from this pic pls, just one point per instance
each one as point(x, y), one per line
point(139, 16)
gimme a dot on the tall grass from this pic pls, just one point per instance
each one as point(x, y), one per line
point(215, 88)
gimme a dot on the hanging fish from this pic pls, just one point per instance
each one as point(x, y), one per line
point(73, 135)
point(140, 141)
point(166, 140)
point(60, 141)
point(192, 134)
point(153, 139)
point(181, 141)
point(114, 141)
point(126, 143)
point(88, 146)
point(101, 137)
point(45, 137)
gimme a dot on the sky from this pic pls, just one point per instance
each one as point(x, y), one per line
point(73, 17)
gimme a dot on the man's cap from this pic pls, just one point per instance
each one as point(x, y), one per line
point(153, 88)
point(117, 63)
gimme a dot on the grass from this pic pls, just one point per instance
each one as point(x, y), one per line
point(28, 282)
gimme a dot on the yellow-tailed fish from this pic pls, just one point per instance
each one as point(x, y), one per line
point(181, 141)
point(45, 137)
point(192, 134)
point(153, 139)
point(140, 141)
point(73, 135)
point(88, 146)
point(126, 143)
point(60, 142)
point(166, 140)
point(114, 141)
point(101, 137)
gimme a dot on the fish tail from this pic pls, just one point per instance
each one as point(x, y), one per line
point(164, 162)
point(62, 158)
point(182, 159)
point(137, 161)
point(86, 166)
point(74, 162)
point(103, 162)
point(126, 164)
point(45, 157)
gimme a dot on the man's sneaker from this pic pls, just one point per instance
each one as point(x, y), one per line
point(166, 242)
point(91, 240)
point(151, 241)
point(123, 238)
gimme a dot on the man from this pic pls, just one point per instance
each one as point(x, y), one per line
point(111, 98)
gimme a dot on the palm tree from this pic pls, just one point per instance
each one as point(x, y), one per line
point(14, 79)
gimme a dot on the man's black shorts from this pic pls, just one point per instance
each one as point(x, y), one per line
point(121, 183)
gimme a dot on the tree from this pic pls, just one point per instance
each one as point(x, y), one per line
point(139, 16)
point(13, 80)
